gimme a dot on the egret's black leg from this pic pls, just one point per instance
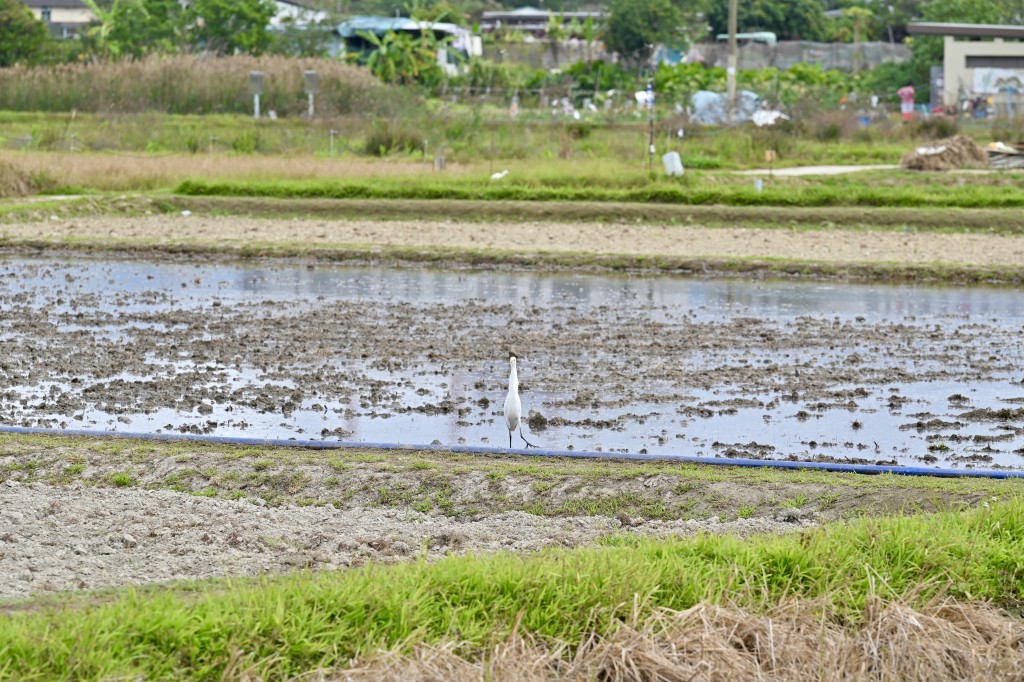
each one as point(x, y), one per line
point(509, 440)
point(528, 443)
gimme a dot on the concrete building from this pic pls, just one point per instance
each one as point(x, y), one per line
point(64, 18)
point(979, 60)
point(296, 13)
point(533, 21)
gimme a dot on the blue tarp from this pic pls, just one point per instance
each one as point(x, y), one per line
point(709, 108)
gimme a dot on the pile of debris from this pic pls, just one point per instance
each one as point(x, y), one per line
point(1002, 155)
point(950, 153)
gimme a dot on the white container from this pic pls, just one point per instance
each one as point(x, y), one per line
point(673, 164)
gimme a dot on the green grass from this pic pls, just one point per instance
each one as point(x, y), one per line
point(122, 479)
point(284, 626)
point(538, 140)
point(887, 190)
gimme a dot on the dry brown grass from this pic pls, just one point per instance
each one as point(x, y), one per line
point(119, 172)
point(15, 180)
point(191, 84)
point(792, 643)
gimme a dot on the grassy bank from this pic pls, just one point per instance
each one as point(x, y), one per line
point(284, 626)
point(461, 486)
point(991, 221)
point(866, 189)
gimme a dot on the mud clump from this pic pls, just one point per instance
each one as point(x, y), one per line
point(1005, 414)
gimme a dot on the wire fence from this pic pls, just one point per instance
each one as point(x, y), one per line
point(549, 54)
point(784, 54)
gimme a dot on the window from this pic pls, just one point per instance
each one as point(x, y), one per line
point(998, 62)
point(46, 13)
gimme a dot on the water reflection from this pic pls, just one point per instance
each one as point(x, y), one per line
point(875, 431)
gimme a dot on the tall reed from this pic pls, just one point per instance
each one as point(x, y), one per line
point(191, 84)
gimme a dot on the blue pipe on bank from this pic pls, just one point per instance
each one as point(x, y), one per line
point(870, 469)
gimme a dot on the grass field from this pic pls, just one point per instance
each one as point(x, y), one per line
point(584, 179)
point(878, 189)
point(465, 135)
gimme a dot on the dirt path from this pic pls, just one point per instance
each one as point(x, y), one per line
point(58, 538)
point(836, 246)
point(798, 171)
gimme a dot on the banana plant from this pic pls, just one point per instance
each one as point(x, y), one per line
point(101, 32)
point(383, 60)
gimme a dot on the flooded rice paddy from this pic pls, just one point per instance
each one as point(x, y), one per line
point(714, 367)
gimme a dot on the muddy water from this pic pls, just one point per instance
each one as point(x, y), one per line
point(716, 367)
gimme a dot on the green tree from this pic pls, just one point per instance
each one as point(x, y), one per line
point(134, 28)
point(888, 20)
point(636, 26)
point(23, 38)
point(309, 40)
point(787, 19)
point(143, 27)
point(230, 26)
point(437, 11)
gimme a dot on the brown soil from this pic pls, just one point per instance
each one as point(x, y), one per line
point(85, 513)
point(833, 246)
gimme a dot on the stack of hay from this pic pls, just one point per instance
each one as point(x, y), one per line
point(954, 152)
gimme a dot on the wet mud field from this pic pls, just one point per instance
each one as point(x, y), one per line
point(721, 368)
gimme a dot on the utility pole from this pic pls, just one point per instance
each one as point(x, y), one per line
point(730, 78)
point(650, 124)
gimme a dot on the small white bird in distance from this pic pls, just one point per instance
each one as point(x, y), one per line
point(513, 406)
point(499, 176)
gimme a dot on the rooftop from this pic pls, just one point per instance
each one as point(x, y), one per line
point(965, 30)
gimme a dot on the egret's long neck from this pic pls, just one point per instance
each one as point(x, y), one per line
point(513, 379)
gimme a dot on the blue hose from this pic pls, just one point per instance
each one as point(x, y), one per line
point(871, 469)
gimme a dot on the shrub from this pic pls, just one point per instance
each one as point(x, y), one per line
point(937, 127)
point(387, 137)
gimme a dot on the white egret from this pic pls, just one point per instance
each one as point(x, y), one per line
point(513, 406)
point(499, 176)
